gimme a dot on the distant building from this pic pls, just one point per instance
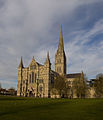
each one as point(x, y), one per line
point(35, 80)
point(11, 92)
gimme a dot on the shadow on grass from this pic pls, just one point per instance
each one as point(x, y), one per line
point(39, 106)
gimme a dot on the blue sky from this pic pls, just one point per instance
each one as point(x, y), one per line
point(31, 28)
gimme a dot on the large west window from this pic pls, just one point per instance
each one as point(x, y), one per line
point(32, 77)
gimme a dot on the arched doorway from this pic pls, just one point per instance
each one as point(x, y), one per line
point(30, 94)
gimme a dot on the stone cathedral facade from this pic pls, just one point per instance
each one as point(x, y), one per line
point(35, 80)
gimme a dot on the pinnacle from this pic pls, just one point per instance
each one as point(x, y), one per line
point(21, 63)
point(47, 59)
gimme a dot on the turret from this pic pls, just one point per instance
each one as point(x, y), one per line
point(47, 62)
point(21, 64)
point(19, 85)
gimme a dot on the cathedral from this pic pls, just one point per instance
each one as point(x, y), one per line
point(35, 80)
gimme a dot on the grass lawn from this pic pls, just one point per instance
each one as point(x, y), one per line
point(19, 108)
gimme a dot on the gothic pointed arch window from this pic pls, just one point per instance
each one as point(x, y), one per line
point(32, 77)
point(59, 61)
point(58, 69)
point(35, 77)
point(33, 67)
point(41, 88)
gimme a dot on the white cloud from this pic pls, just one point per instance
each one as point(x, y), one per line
point(30, 27)
point(86, 57)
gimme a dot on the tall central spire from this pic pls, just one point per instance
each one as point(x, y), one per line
point(61, 46)
point(60, 57)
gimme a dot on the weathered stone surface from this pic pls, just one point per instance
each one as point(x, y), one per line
point(35, 80)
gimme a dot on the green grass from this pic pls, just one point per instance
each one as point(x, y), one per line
point(19, 108)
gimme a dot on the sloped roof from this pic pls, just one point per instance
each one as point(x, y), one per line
point(39, 64)
point(73, 75)
point(53, 72)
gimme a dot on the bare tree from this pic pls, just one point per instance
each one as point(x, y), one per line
point(54, 92)
point(60, 86)
point(80, 87)
point(99, 75)
point(98, 86)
